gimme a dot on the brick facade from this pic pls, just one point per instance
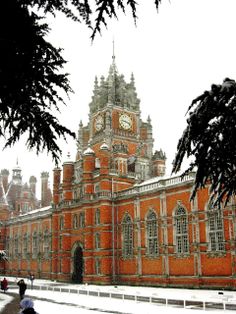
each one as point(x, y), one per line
point(115, 218)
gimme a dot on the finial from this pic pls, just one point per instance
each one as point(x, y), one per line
point(68, 155)
point(96, 82)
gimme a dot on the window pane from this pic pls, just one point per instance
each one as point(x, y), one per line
point(181, 230)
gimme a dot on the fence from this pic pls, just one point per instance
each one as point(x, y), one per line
point(221, 302)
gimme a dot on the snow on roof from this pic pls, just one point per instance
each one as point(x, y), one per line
point(88, 151)
point(153, 180)
point(37, 210)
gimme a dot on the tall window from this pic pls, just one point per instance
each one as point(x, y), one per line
point(75, 221)
point(181, 230)
point(75, 195)
point(127, 236)
point(60, 242)
point(81, 220)
point(97, 266)
point(97, 216)
point(97, 241)
point(151, 234)
point(16, 246)
point(61, 223)
point(25, 207)
point(97, 163)
point(7, 246)
point(25, 245)
point(35, 245)
point(96, 187)
point(143, 171)
point(215, 229)
point(46, 244)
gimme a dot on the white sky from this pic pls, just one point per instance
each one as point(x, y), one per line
point(175, 55)
point(61, 303)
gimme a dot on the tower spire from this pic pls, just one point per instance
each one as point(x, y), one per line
point(113, 68)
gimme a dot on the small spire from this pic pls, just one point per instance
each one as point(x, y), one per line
point(113, 51)
point(132, 79)
point(96, 83)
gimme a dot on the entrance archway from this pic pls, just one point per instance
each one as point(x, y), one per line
point(78, 265)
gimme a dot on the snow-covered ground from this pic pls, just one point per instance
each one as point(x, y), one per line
point(72, 302)
point(4, 299)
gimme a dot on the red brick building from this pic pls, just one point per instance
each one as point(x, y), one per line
point(115, 218)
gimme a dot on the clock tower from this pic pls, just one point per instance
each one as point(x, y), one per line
point(115, 119)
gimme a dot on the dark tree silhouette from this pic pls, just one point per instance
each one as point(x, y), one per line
point(93, 14)
point(210, 137)
point(31, 81)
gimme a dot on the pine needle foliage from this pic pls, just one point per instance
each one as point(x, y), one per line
point(32, 81)
point(93, 13)
point(210, 138)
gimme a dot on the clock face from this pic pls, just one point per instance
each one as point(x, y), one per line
point(99, 122)
point(125, 121)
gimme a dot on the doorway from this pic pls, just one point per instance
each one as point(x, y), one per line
point(77, 276)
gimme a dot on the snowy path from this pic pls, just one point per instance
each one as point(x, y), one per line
point(74, 303)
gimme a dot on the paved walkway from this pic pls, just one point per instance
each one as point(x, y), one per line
point(13, 306)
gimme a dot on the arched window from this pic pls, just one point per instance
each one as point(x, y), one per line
point(97, 216)
point(75, 221)
point(127, 236)
point(181, 230)
point(151, 234)
point(215, 229)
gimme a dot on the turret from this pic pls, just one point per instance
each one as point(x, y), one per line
point(68, 172)
point(149, 138)
point(158, 164)
point(104, 159)
point(88, 168)
point(16, 175)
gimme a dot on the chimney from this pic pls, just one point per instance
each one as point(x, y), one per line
point(56, 185)
point(32, 184)
point(45, 191)
point(5, 175)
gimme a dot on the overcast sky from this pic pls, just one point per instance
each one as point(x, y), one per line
point(175, 55)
